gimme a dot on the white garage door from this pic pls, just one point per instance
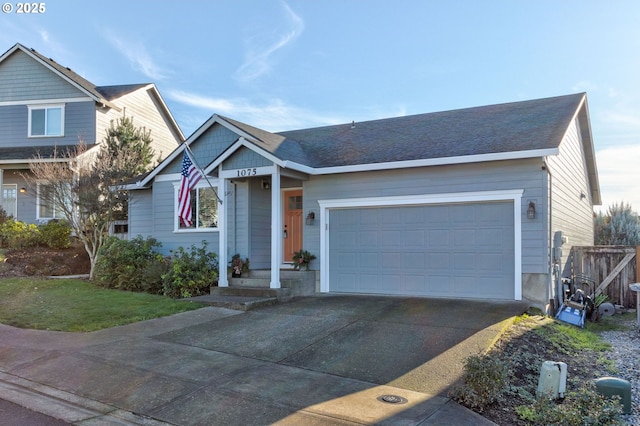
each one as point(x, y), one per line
point(450, 250)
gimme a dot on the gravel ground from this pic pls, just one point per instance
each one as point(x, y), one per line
point(626, 355)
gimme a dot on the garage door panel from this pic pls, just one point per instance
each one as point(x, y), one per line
point(414, 238)
point(389, 216)
point(464, 262)
point(390, 238)
point(437, 215)
point(439, 262)
point(463, 237)
point(347, 240)
point(438, 237)
point(432, 250)
point(366, 260)
point(491, 262)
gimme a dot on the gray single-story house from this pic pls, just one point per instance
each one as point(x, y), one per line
point(470, 203)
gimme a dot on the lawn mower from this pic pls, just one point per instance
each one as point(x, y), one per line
point(577, 305)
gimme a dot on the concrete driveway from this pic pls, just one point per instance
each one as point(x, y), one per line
point(315, 361)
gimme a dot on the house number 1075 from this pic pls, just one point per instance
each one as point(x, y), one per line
point(247, 172)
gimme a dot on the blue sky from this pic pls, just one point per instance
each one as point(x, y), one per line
point(283, 65)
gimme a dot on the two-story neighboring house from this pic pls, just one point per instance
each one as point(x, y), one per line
point(45, 106)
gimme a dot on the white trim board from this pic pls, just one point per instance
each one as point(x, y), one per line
point(514, 195)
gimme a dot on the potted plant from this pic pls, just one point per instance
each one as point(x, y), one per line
point(238, 265)
point(301, 259)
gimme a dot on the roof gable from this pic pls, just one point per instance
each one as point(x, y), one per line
point(65, 73)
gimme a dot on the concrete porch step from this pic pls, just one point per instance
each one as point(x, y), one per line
point(253, 290)
point(245, 291)
point(240, 303)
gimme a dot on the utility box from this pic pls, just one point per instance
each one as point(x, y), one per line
point(553, 379)
point(612, 386)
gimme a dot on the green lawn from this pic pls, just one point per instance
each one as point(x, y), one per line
point(77, 305)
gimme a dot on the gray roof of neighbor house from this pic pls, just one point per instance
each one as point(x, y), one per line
point(22, 154)
point(114, 92)
point(101, 94)
point(107, 93)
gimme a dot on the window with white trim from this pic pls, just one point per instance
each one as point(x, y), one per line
point(46, 120)
point(47, 208)
point(204, 209)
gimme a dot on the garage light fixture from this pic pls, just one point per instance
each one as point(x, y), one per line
point(531, 211)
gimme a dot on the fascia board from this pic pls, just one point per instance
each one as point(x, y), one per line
point(152, 87)
point(465, 159)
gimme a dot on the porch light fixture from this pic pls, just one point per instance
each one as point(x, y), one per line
point(310, 218)
point(531, 211)
point(266, 184)
point(23, 190)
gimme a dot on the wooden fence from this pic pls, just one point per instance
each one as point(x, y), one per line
point(612, 269)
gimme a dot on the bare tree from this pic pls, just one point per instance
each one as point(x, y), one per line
point(85, 186)
point(72, 183)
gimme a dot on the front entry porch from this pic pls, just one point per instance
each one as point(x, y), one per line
point(262, 220)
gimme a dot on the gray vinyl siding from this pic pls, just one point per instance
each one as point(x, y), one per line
point(164, 220)
point(259, 225)
point(26, 202)
point(238, 219)
point(503, 175)
point(79, 124)
point(571, 214)
point(23, 78)
point(243, 158)
point(210, 145)
point(146, 111)
point(141, 213)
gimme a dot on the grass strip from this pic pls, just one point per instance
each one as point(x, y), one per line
point(78, 305)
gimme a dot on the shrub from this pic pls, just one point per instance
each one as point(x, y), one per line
point(4, 216)
point(191, 272)
point(486, 378)
point(582, 407)
point(132, 265)
point(55, 234)
point(15, 234)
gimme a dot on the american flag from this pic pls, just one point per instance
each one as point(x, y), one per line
point(191, 175)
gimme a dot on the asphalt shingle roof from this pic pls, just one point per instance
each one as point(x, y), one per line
point(509, 127)
point(108, 93)
point(31, 152)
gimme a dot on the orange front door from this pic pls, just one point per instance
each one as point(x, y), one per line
point(292, 233)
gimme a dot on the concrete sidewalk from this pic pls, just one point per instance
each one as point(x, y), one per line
point(325, 360)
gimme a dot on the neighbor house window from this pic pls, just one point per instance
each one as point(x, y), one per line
point(47, 208)
point(46, 120)
point(204, 209)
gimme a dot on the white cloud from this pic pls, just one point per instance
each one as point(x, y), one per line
point(260, 48)
point(273, 115)
point(137, 55)
point(619, 175)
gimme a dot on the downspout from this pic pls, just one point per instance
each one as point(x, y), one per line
point(554, 268)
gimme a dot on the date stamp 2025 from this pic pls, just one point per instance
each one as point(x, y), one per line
point(24, 8)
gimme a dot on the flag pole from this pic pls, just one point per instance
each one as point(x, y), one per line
point(192, 157)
